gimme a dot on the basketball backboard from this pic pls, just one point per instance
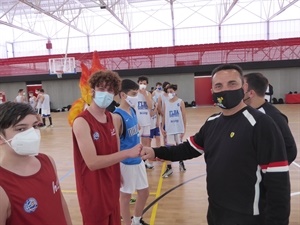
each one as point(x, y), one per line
point(59, 66)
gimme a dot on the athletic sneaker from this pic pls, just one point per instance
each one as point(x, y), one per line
point(142, 222)
point(148, 165)
point(132, 201)
point(181, 166)
point(168, 172)
point(50, 125)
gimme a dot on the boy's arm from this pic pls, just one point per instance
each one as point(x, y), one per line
point(153, 110)
point(148, 98)
point(4, 207)
point(159, 105)
point(183, 111)
point(87, 148)
point(118, 124)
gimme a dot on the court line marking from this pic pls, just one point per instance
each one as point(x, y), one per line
point(155, 202)
point(68, 173)
point(295, 193)
point(158, 191)
point(296, 164)
point(159, 197)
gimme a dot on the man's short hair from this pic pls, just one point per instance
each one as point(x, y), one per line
point(142, 78)
point(110, 78)
point(12, 113)
point(41, 90)
point(257, 82)
point(128, 85)
point(20, 90)
point(228, 67)
point(158, 83)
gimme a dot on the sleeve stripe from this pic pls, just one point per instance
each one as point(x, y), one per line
point(249, 117)
point(194, 145)
point(281, 166)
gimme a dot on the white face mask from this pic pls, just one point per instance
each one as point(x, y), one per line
point(131, 100)
point(171, 95)
point(26, 142)
point(143, 86)
point(103, 99)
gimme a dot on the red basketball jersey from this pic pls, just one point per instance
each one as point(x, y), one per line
point(34, 199)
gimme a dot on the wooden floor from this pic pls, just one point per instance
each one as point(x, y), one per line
point(182, 198)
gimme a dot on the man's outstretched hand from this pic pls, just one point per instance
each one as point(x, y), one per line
point(147, 153)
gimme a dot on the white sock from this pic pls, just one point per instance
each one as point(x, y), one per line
point(136, 220)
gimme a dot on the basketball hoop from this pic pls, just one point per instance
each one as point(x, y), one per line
point(59, 73)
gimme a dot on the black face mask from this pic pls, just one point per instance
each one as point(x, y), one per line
point(228, 99)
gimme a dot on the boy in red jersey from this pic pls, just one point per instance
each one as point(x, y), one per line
point(29, 187)
point(97, 155)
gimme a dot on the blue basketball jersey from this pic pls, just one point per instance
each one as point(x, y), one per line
point(130, 137)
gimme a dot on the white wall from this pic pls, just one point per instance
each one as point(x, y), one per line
point(282, 80)
point(62, 92)
point(11, 89)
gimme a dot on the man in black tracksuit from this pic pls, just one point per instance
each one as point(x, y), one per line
point(257, 85)
point(244, 150)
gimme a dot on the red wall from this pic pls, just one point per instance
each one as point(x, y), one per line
point(33, 88)
point(203, 94)
point(3, 96)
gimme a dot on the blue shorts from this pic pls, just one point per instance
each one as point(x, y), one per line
point(154, 132)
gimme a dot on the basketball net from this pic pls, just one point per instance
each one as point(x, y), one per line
point(59, 73)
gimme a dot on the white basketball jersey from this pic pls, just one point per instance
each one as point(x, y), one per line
point(39, 103)
point(142, 111)
point(19, 99)
point(46, 102)
point(157, 94)
point(32, 101)
point(173, 117)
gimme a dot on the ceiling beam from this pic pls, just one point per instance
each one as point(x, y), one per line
point(23, 29)
point(30, 4)
point(105, 6)
point(282, 9)
point(228, 11)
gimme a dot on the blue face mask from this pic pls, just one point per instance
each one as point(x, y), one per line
point(103, 99)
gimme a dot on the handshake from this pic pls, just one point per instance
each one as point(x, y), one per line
point(141, 151)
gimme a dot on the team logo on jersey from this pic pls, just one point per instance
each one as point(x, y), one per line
point(30, 205)
point(55, 186)
point(113, 132)
point(96, 136)
point(232, 134)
